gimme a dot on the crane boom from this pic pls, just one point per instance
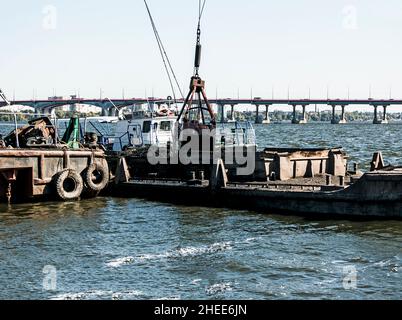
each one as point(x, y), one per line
point(3, 96)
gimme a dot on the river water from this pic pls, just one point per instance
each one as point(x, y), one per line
point(112, 248)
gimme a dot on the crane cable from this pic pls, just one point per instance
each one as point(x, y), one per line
point(165, 58)
point(201, 7)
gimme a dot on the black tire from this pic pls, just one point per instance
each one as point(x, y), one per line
point(69, 185)
point(96, 177)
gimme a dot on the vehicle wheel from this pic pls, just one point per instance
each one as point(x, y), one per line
point(69, 185)
point(96, 177)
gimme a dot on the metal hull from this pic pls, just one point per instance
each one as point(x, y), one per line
point(30, 172)
point(375, 195)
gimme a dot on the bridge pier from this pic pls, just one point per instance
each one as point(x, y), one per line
point(303, 120)
point(112, 112)
point(294, 119)
point(333, 119)
point(342, 119)
point(49, 111)
point(384, 119)
point(38, 110)
point(304, 116)
point(257, 114)
point(266, 117)
point(384, 115)
point(222, 113)
point(105, 112)
point(232, 114)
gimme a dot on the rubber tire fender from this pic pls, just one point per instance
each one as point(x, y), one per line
point(61, 191)
point(101, 180)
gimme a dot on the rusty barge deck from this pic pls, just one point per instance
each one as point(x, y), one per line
point(375, 195)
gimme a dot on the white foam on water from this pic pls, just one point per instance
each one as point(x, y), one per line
point(195, 251)
point(146, 257)
point(249, 240)
point(115, 263)
point(342, 262)
point(173, 254)
point(98, 294)
point(196, 281)
point(219, 288)
point(126, 295)
point(81, 295)
point(69, 296)
point(176, 298)
point(383, 263)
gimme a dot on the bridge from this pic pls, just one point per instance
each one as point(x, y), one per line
point(111, 107)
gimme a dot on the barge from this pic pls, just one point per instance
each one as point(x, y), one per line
point(36, 164)
point(376, 194)
point(308, 182)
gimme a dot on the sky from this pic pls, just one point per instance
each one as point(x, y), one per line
point(254, 47)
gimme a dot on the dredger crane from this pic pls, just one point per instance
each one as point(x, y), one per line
point(196, 112)
point(196, 108)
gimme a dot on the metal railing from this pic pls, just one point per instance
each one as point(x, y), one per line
point(240, 134)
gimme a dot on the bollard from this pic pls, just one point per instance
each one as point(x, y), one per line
point(192, 175)
point(341, 181)
point(328, 180)
point(355, 167)
point(202, 175)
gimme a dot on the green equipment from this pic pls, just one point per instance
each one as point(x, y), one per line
point(72, 135)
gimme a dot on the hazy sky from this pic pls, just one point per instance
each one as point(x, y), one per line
point(91, 44)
